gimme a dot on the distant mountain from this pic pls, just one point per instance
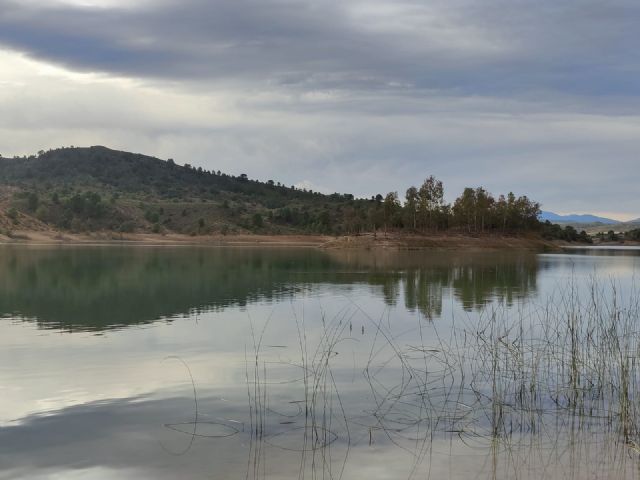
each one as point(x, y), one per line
point(575, 218)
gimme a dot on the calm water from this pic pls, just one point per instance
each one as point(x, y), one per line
point(243, 363)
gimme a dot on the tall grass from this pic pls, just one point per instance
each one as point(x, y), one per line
point(548, 390)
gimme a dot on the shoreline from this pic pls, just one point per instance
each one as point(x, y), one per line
point(367, 241)
point(443, 241)
point(149, 239)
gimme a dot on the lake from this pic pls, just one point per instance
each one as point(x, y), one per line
point(248, 363)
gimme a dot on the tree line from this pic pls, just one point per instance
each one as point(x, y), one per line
point(424, 210)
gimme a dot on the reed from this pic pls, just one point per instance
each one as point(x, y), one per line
point(548, 389)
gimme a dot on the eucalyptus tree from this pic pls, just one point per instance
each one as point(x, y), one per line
point(390, 206)
point(464, 209)
point(411, 205)
point(430, 200)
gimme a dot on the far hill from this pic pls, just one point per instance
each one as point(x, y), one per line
point(98, 189)
point(576, 219)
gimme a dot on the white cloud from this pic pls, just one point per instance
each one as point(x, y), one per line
point(309, 185)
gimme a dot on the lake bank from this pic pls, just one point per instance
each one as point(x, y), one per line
point(149, 239)
point(368, 241)
point(442, 241)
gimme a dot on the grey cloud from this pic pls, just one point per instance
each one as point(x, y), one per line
point(243, 40)
point(493, 47)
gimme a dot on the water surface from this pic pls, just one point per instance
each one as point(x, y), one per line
point(180, 362)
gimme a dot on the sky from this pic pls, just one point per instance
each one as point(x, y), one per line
point(538, 97)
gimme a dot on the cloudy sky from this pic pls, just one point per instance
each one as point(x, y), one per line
point(536, 96)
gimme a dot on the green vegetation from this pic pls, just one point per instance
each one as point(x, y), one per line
point(553, 231)
point(620, 237)
point(95, 188)
point(611, 236)
point(633, 235)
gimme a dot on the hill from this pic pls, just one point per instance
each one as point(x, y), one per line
point(96, 189)
point(576, 219)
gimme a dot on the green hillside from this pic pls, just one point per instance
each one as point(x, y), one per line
point(99, 189)
point(86, 189)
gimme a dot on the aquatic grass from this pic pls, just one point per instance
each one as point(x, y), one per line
point(319, 407)
point(546, 389)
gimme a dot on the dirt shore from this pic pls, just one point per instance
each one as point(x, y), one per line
point(114, 238)
point(392, 241)
point(444, 241)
